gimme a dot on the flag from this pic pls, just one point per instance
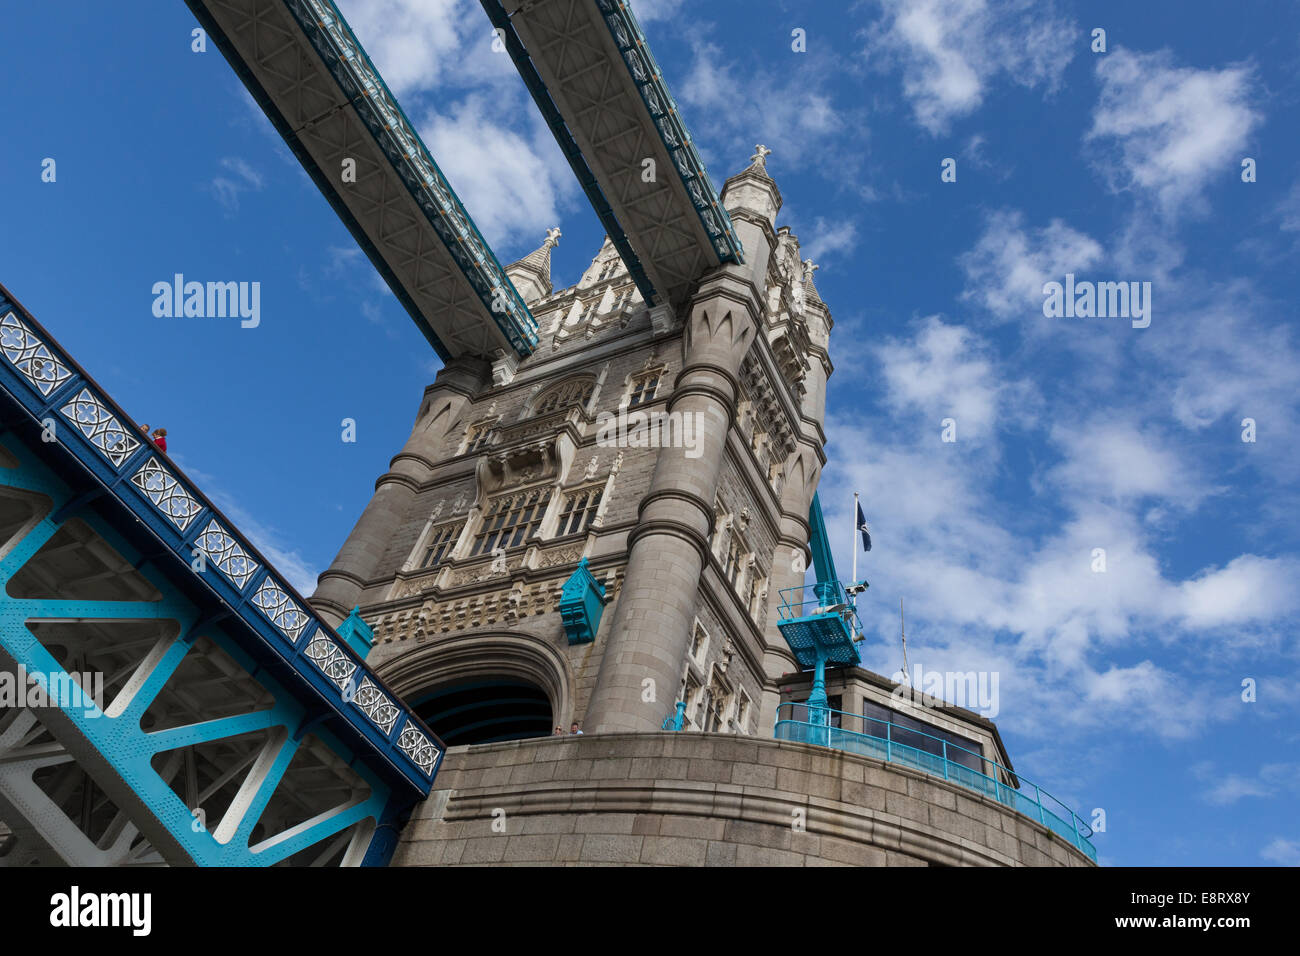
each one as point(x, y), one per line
point(862, 526)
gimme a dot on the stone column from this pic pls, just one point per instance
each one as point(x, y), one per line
point(669, 547)
point(339, 588)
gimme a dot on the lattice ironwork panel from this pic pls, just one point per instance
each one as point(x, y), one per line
point(330, 658)
point(227, 554)
point(101, 426)
point(420, 749)
point(377, 705)
point(167, 494)
point(280, 609)
point(30, 355)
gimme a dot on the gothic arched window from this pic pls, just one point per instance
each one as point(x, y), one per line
point(575, 391)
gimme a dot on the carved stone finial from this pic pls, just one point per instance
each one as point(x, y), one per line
point(759, 158)
point(553, 236)
point(809, 267)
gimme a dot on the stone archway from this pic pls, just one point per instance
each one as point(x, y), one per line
point(485, 686)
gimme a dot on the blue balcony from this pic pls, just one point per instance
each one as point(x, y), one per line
point(819, 621)
point(938, 757)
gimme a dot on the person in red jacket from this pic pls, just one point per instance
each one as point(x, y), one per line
point(160, 438)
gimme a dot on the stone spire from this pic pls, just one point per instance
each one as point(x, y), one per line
point(752, 200)
point(809, 289)
point(532, 274)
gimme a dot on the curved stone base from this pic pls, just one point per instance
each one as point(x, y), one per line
point(687, 799)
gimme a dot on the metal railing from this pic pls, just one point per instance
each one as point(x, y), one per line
point(824, 597)
point(950, 761)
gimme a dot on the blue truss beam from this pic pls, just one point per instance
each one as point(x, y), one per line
point(176, 525)
point(112, 745)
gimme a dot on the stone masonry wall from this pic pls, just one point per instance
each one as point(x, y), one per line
point(707, 800)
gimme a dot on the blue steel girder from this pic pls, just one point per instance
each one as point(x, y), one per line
point(106, 738)
point(305, 68)
point(591, 72)
point(76, 448)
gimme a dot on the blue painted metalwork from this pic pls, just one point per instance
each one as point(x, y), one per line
point(271, 627)
point(569, 147)
point(582, 602)
point(357, 633)
point(677, 718)
point(820, 545)
point(118, 737)
point(649, 80)
point(819, 619)
point(1050, 812)
point(351, 68)
point(820, 623)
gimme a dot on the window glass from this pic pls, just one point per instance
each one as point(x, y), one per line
point(440, 544)
point(510, 519)
point(579, 509)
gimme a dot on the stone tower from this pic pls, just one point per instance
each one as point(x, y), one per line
point(601, 530)
point(676, 454)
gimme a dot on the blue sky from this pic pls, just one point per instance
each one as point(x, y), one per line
point(1119, 690)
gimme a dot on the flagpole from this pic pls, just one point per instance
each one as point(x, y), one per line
point(854, 542)
point(902, 631)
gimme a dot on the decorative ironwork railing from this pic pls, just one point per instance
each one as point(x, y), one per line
point(957, 764)
point(649, 80)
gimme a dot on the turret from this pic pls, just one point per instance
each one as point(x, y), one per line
point(532, 274)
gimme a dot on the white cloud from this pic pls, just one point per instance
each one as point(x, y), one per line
point(1289, 210)
point(648, 11)
point(827, 240)
point(794, 117)
point(1120, 462)
point(511, 183)
point(944, 371)
point(238, 178)
point(997, 587)
point(341, 260)
point(1282, 852)
point(1273, 779)
point(412, 42)
point(950, 51)
point(1008, 265)
point(1248, 588)
point(1173, 128)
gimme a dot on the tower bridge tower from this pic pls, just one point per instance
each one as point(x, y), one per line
point(599, 534)
point(672, 451)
